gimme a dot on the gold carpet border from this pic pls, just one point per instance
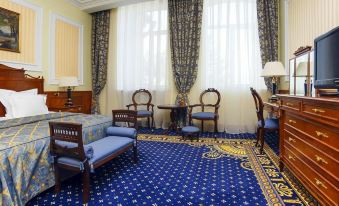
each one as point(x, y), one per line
point(302, 193)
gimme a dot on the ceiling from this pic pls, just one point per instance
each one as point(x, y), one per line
point(91, 6)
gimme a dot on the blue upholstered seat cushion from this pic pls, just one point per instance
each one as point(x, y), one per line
point(144, 113)
point(190, 129)
point(203, 115)
point(102, 148)
point(121, 132)
point(89, 151)
point(270, 123)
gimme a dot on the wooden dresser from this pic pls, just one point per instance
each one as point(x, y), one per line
point(82, 101)
point(309, 144)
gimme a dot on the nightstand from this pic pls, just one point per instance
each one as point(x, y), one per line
point(74, 109)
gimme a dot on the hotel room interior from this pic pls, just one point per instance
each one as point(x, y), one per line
point(169, 102)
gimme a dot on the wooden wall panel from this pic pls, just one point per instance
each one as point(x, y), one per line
point(26, 34)
point(307, 19)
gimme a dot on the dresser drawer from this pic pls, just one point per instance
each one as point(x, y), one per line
point(323, 113)
point(291, 104)
point(294, 122)
point(320, 160)
point(329, 137)
point(315, 181)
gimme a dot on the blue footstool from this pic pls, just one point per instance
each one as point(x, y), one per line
point(190, 131)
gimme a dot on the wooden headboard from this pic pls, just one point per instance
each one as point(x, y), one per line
point(16, 79)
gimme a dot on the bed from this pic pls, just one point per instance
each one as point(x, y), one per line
point(25, 163)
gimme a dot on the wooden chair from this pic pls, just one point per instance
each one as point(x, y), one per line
point(69, 152)
point(206, 116)
point(142, 113)
point(263, 125)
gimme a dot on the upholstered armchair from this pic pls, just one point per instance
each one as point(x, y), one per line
point(148, 111)
point(206, 116)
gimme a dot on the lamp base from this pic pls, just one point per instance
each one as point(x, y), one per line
point(69, 102)
point(273, 98)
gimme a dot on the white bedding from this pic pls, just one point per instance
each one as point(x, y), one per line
point(22, 104)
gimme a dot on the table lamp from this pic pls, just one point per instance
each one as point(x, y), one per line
point(273, 69)
point(68, 81)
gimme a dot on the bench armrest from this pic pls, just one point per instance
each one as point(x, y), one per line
point(122, 132)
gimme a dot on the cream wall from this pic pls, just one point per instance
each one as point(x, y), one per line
point(307, 19)
point(66, 9)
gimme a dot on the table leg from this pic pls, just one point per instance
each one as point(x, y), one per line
point(173, 124)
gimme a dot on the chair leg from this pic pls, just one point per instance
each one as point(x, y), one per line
point(202, 126)
point(262, 141)
point(57, 188)
point(148, 123)
point(189, 120)
point(135, 154)
point(215, 125)
point(258, 136)
point(86, 185)
point(153, 126)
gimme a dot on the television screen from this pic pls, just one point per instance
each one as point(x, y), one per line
point(327, 60)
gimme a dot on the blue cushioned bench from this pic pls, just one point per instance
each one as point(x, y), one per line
point(70, 153)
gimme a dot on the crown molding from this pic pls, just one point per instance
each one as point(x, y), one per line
point(92, 6)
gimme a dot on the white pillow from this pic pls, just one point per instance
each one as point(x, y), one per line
point(4, 95)
point(23, 105)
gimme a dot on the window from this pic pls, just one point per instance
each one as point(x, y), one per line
point(142, 46)
point(230, 42)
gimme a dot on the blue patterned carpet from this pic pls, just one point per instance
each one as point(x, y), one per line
point(172, 172)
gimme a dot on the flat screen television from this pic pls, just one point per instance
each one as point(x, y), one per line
point(326, 60)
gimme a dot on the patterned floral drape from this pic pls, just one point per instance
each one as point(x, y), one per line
point(185, 19)
point(267, 11)
point(100, 38)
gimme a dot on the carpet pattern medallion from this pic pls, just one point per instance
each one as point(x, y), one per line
point(172, 171)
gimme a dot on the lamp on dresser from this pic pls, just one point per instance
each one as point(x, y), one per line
point(68, 81)
point(273, 69)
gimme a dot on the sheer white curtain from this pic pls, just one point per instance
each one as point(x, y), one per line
point(143, 53)
point(230, 60)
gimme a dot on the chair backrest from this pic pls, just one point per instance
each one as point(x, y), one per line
point(210, 90)
point(124, 115)
point(259, 106)
point(68, 133)
point(145, 92)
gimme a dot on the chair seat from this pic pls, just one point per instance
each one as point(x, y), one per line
point(87, 149)
point(102, 148)
point(190, 129)
point(121, 131)
point(144, 113)
point(203, 115)
point(270, 123)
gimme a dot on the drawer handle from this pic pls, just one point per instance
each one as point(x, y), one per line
point(318, 110)
point(291, 158)
point(291, 139)
point(292, 121)
point(321, 134)
point(320, 159)
point(319, 183)
point(289, 104)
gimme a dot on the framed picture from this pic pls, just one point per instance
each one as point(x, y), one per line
point(9, 30)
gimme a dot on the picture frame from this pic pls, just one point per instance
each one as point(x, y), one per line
point(9, 30)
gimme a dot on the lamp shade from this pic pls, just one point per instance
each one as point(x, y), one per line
point(69, 81)
point(273, 69)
